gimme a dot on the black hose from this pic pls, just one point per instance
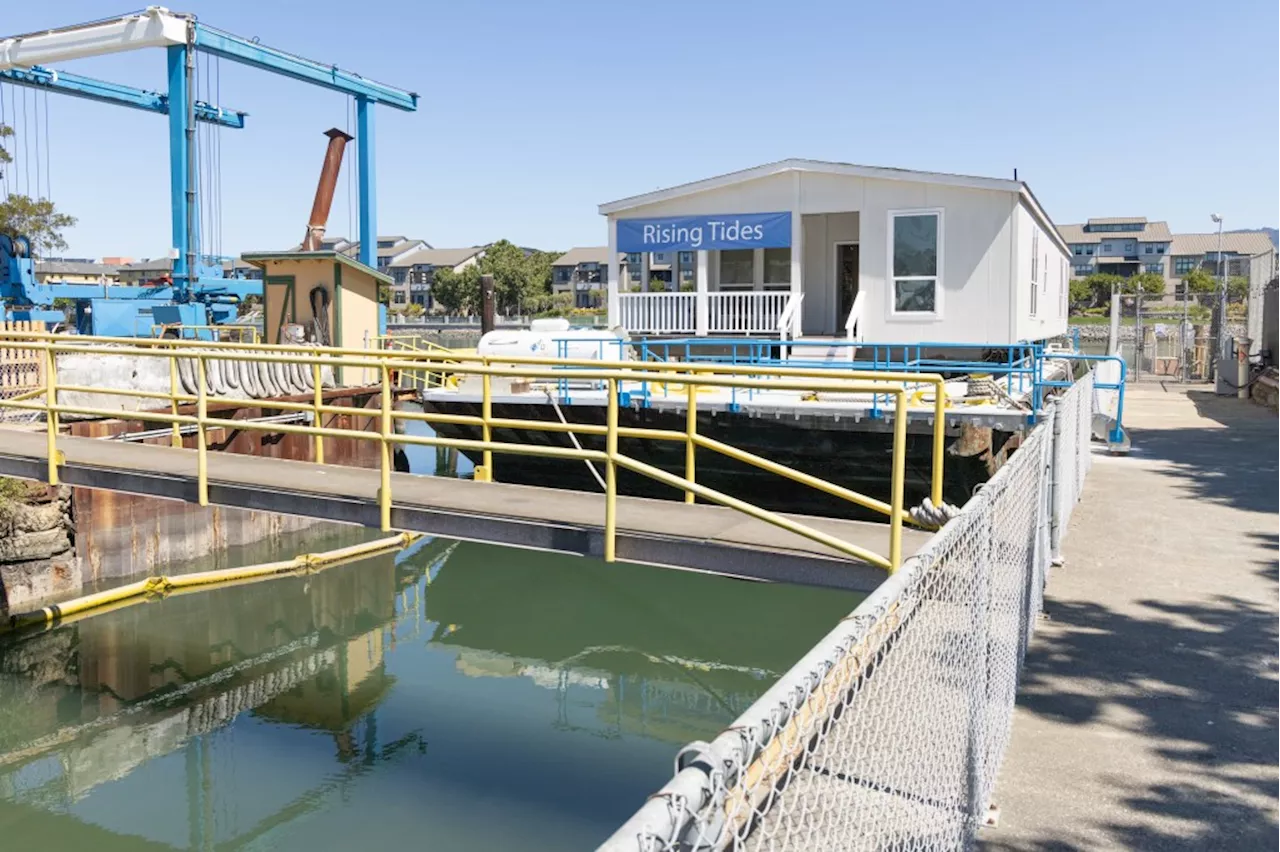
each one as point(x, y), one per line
point(320, 311)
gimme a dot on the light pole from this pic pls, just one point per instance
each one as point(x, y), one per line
point(1220, 314)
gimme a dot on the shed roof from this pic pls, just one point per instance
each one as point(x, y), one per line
point(260, 258)
point(1021, 188)
point(450, 257)
point(583, 254)
point(1201, 244)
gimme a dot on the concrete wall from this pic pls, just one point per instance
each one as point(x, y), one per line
point(1269, 323)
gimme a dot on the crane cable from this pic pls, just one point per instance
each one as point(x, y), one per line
point(47, 159)
point(4, 167)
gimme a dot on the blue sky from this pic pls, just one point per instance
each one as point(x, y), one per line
point(534, 113)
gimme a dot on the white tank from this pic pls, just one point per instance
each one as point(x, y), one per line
point(560, 341)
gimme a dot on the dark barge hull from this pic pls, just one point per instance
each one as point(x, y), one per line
point(857, 456)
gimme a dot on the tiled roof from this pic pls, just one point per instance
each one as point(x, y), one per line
point(450, 257)
point(1151, 232)
point(583, 254)
point(73, 267)
point(1202, 244)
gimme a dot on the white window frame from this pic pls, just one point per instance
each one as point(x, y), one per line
point(892, 314)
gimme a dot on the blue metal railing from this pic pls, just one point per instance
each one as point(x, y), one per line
point(1020, 366)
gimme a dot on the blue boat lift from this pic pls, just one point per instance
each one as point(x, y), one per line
point(25, 61)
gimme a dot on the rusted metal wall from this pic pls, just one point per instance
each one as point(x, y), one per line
point(120, 535)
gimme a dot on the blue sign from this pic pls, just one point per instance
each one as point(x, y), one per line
point(716, 231)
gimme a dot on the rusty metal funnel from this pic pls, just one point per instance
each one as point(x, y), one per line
point(324, 190)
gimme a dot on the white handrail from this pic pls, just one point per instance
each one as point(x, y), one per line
point(787, 319)
point(852, 332)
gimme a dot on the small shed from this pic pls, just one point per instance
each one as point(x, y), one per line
point(333, 296)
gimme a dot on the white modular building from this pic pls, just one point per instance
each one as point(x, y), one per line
point(802, 248)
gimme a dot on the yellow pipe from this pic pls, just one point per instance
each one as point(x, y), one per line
point(898, 483)
point(319, 411)
point(202, 440)
point(486, 418)
point(611, 476)
point(385, 433)
point(163, 585)
point(939, 436)
point(31, 394)
point(691, 438)
point(51, 414)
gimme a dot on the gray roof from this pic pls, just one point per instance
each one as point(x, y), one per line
point(73, 267)
point(583, 254)
point(1119, 220)
point(1151, 232)
point(401, 247)
point(159, 264)
point(1201, 244)
point(450, 257)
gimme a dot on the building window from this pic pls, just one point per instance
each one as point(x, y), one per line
point(1107, 248)
point(1183, 265)
point(1079, 250)
point(1148, 249)
point(686, 259)
point(1089, 251)
point(1035, 256)
point(1157, 268)
point(915, 240)
point(1130, 248)
point(777, 266)
point(398, 297)
point(737, 266)
point(1084, 269)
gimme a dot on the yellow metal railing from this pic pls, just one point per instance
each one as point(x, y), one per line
point(416, 343)
point(222, 333)
point(613, 377)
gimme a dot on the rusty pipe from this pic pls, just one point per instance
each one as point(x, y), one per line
point(324, 190)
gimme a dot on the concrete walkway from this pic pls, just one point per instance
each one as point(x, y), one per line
point(1147, 715)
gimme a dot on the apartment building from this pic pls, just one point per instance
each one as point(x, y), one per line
point(1123, 245)
point(1128, 245)
point(412, 273)
point(75, 271)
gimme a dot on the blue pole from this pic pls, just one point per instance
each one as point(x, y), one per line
point(368, 190)
point(179, 154)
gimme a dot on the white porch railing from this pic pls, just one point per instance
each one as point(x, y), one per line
point(852, 325)
point(747, 312)
point(658, 313)
point(789, 321)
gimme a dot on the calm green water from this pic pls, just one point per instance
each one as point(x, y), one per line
point(457, 697)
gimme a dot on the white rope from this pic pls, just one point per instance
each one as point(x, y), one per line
point(929, 515)
point(574, 438)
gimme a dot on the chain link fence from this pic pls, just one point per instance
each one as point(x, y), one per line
point(21, 370)
point(889, 733)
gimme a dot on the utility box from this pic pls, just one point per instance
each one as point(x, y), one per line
point(333, 296)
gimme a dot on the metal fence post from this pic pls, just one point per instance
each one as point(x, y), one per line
point(318, 414)
point(1054, 414)
point(691, 432)
point(611, 474)
point(484, 473)
point(202, 441)
point(384, 447)
point(51, 412)
point(899, 475)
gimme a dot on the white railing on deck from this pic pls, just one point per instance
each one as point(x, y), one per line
point(747, 312)
point(658, 313)
point(852, 325)
point(789, 322)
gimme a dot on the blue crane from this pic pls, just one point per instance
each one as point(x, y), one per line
point(24, 60)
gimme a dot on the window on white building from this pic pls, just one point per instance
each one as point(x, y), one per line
point(738, 266)
point(916, 239)
point(777, 266)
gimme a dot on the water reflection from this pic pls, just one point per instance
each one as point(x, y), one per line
point(464, 695)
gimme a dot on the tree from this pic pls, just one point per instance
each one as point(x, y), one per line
point(36, 219)
point(457, 292)
point(1080, 293)
point(1199, 280)
point(1237, 288)
point(1100, 287)
point(1144, 283)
